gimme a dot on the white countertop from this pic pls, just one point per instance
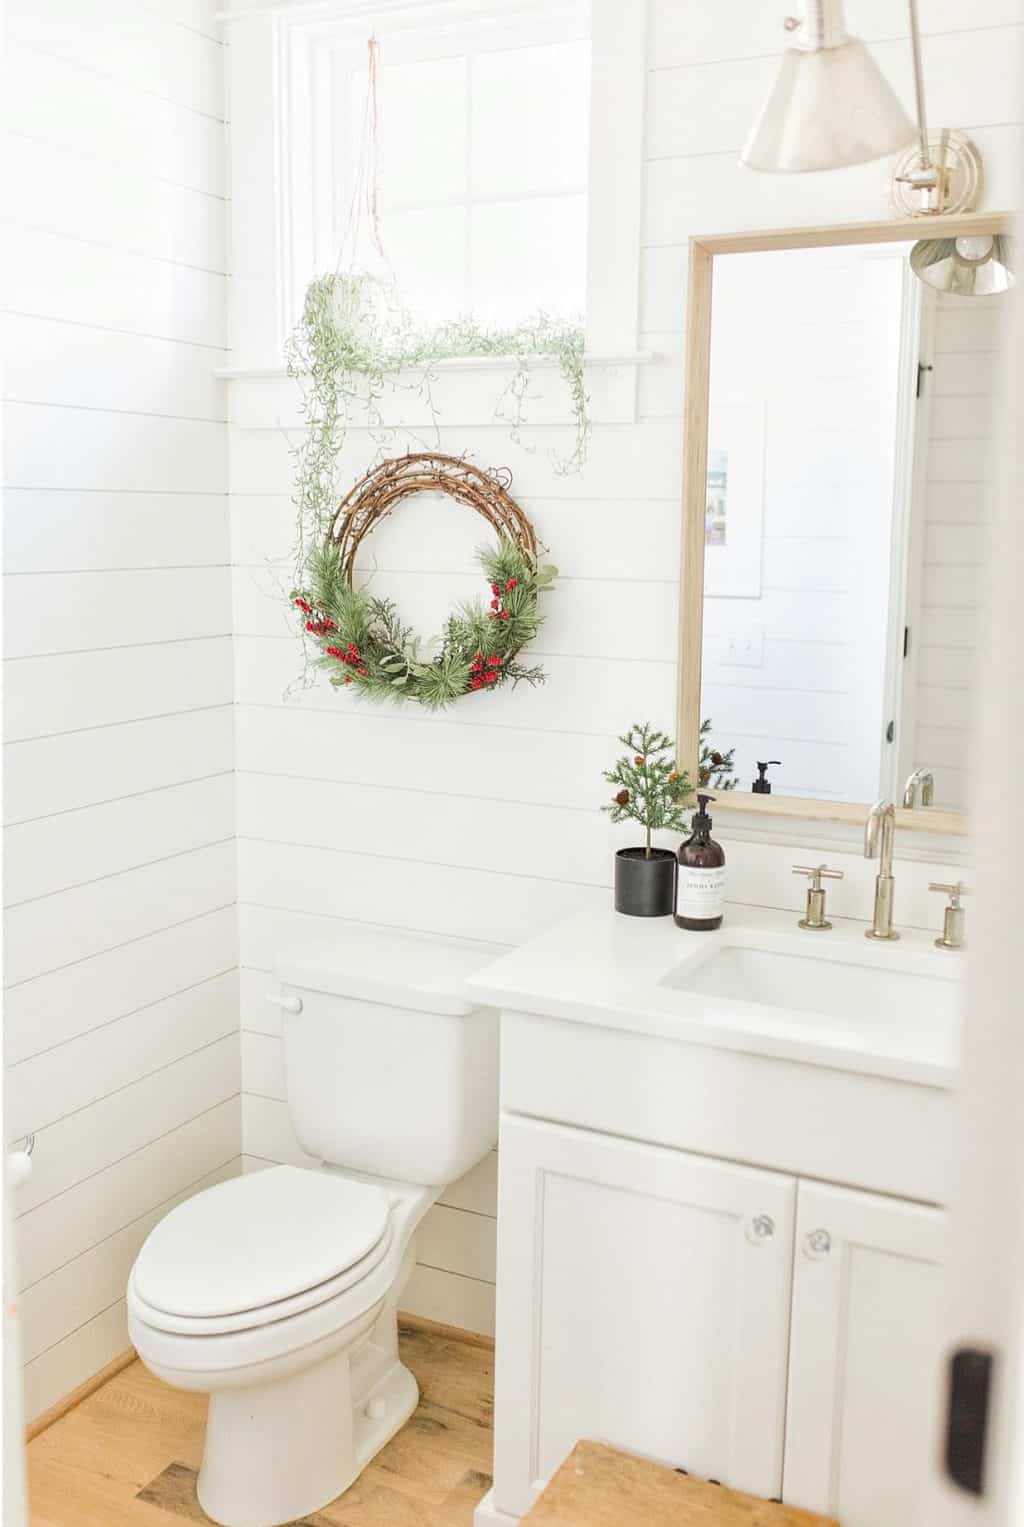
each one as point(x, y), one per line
point(602, 968)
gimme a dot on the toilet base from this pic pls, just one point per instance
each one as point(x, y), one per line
point(280, 1451)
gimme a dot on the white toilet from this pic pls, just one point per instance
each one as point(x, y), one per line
point(277, 1293)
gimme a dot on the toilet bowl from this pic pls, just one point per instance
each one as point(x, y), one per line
point(277, 1292)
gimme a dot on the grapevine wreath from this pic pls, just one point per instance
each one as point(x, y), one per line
point(360, 637)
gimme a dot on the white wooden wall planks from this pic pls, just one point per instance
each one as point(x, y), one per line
point(121, 1013)
point(126, 653)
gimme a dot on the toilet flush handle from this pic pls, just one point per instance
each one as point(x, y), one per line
point(290, 1004)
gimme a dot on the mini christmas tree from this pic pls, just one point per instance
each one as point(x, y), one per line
point(714, 768)
point(652, 791)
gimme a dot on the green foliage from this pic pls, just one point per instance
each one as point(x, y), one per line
point(651, 789)
point(362, 642)
point(714, 768)
point(354, 340)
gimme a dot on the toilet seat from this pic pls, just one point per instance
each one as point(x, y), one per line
point(249, 1320)
point(258, 1249)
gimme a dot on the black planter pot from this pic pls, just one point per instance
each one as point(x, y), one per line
point(645, 887)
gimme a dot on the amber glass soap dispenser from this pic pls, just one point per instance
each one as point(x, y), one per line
point(700, 882)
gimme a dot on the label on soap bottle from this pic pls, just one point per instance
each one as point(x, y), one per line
point(700, 894)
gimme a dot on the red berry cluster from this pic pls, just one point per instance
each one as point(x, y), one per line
point(484, 671)
point(351, 656)
point(314, 627)
point(497, 612)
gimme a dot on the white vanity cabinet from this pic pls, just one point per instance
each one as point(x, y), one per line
point(864, 1359)
point(743, 1324)
point(644, 1299)
point(716, 1239)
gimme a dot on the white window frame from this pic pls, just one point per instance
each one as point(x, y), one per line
point(558, 21)
point(278, 62)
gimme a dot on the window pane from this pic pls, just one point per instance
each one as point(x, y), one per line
point(422, 115)
point(529, 255)
point(530, 119)
point(427, 248)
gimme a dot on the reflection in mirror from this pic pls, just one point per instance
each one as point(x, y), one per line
point(849, 414)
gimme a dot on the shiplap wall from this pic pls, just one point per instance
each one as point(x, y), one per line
point(483, 823)
point(121, 1012)
point(969, 338)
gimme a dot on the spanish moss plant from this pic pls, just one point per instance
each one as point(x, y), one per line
point(353, 340)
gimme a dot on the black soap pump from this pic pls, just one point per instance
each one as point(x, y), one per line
point(762, 785)
point(700, 880)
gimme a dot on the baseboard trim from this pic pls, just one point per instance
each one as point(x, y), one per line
point(436, 1328)
point(47, 1417)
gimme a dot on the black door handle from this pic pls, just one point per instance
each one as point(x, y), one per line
point(970, 1383)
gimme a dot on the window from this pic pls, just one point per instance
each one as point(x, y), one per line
point(483, 156)
point(485, 198)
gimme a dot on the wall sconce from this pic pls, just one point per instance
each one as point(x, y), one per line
point(831, 106)
point(976, 265)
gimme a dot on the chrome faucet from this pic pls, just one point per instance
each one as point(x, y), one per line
point(923, 779)
point(879, 833)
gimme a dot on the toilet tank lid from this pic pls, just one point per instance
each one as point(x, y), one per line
point(398, 969)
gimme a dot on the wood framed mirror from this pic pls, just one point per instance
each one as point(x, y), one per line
point(837, 424)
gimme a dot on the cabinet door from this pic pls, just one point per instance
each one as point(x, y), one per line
point(864, 1355)
point(643, 1299)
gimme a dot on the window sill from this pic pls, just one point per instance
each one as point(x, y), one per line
point(456, 363)
point(265, 397)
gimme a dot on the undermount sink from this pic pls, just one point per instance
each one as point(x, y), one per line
point(831, 987)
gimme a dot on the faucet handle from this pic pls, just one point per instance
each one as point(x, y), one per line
point(954, 892)
point(955, 916)
point(817, 873)
point(814, 919)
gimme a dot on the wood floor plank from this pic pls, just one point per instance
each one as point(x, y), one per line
point(599, 1486)
point(457, 1510)
point(127, 1456)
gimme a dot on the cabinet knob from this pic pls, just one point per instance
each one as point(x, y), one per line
point(289, 1004)
point(817, 1244)
point(760, 1229)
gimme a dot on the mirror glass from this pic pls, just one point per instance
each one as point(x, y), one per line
point(850, 415)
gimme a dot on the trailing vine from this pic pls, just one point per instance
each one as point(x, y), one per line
point(353, 342)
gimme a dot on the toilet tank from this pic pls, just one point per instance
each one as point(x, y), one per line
point(390, 1067)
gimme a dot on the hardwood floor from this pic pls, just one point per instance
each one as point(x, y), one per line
point(597, 1486)
point(127, 1455)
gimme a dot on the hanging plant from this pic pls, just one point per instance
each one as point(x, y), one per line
point(355, 341)
point(361, 638)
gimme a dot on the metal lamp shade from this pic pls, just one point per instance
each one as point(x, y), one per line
point(965, 267)
point(829, 107)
